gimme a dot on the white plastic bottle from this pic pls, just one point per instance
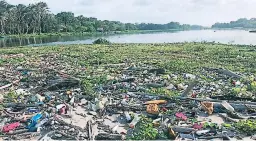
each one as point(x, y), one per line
point(127, 115)
point(135, 121)
point(227, 106)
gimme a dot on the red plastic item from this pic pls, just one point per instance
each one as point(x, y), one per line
point(198, 126)
point(234, 82)
point(181, 116)
point(193, 95)
point(164, 109)
point(63, 111)
point(10, 127)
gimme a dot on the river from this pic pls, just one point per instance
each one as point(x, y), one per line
point(221, 36)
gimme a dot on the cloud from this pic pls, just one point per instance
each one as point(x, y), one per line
point(204, 12)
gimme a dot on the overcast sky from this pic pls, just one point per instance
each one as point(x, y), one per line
point(203, 12)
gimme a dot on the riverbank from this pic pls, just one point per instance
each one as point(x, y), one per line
point(61, 34)
point(80, 83)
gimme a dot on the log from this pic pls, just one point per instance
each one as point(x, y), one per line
point(70, 125)
point(182, 129)
point(215, 100)
point(229, 73)
point(223, 71)
point(228, 118)
point(66, 135)
point(107, 136)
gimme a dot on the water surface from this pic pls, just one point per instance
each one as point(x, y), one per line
point(222, 36)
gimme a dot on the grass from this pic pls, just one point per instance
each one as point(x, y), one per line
point(181, 57)
point(247, 126)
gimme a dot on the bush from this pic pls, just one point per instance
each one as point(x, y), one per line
point(101, 41)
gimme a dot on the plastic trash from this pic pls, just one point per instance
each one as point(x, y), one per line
point(92, 106)
point(190, 76)
point(187, 136)
point(42, 122)
point(10, 127)
point(202, 132)
point(114, 129)
point(156, 122)
point(40, 98)
point(99, 105)
point(72, 100)
point(198, 126)
point(124, 102)
point(22, 92)
point(208, 107)
point(127, 115)
point(134, 121)
point(156, 102)
point(1, 98)
point(33, 121)
point(69, 92)
point(170, 87)
point(152, 109)
point(181, 116)
point(60, 106)
point(227, 106)
point(83, 101)
point(33, 110)
point(172, 133)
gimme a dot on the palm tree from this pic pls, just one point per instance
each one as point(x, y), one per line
point(4, 9)
point(39, 11)
point(21, 12)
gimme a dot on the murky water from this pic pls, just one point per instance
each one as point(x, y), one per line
point(222, 36)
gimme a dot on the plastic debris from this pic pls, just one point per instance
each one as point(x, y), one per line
point(10, 127)
point(156, 102)
point(134, 121)
point(152, 109)
point(181, 116)
point(114, 101)
point(208, 107)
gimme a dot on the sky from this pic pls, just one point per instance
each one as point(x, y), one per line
point(201, 12)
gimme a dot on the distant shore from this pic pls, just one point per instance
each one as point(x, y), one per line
point(88, 33)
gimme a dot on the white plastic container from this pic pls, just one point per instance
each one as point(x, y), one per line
point(134, 121)
point(228, 106)
point(127, 115)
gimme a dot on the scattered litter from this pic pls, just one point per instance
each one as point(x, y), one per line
point(127, 101)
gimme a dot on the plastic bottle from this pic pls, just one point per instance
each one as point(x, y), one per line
point(134, 121)
point(227, 106)
point(127, 115)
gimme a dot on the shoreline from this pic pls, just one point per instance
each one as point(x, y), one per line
point(61, 34)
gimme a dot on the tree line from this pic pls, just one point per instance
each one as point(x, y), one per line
point(240, 23)
point(36, 19)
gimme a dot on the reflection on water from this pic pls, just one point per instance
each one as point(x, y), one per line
point(10, 42)
point(222, 36)
point(14, 42)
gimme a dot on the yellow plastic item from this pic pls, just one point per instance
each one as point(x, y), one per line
point(152, 109)
point(156, 102)
point(208, 107)
point(69, 92)
point(172, 133)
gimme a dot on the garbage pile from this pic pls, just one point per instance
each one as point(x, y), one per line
point(125, 102)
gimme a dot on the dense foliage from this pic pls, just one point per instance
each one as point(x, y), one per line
point(240, 23)
point(101, 41)
point(36, 18)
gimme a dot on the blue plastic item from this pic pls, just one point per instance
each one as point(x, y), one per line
point(33, 121)
point(33, 110)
